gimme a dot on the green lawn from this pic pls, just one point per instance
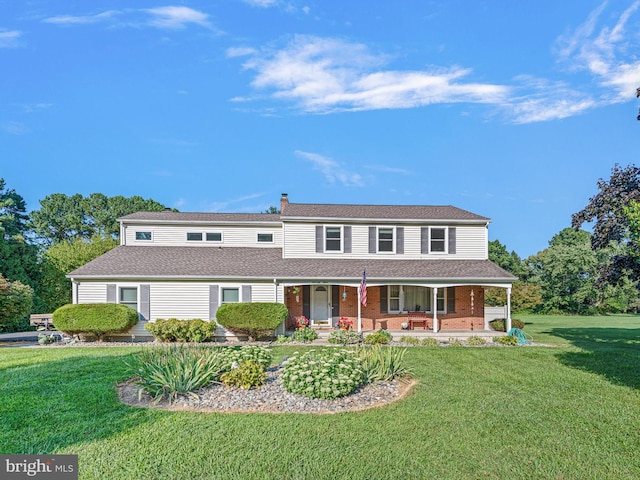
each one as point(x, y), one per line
point(571, 411)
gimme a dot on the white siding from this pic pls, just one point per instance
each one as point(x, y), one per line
point(92, 292)
point(179, 300)
point(176, 235)
point(300, 241)
point(263, 292)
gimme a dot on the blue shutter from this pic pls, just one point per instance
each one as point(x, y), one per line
point(319, 239)
point(372, 240)
point(400, 240)
point(347, 239)
point(111, 293)
point(452, 239)
point(424, 239)
point(246, 293)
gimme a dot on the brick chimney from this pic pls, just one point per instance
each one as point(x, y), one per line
point(284, 201)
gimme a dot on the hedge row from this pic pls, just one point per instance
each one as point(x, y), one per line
point(99, 319)
point(174, 330)
point(252, 319)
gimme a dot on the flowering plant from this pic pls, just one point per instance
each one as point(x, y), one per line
point(295, 290)
point(301, 321)
point(345, 323)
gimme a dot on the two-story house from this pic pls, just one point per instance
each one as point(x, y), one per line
point(311, 257)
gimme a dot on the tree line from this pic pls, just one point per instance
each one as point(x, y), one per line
point(580, 272)
point(583, 272)
point(38, 250)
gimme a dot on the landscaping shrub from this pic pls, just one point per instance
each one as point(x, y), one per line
point(430, 342)
point(500, 324)
point(305, 334)
point(176, 370)
point(323, 374)
point(410, 340)
point(284, 339)
point(378, 338)
point(476, 340)
point(97, 319)
point(255, 320)
point(342, 337)
point(454, 342)
point(247, 375)
point(506, 340)
point(382, 364)
point(261, 355)
point(174, 330)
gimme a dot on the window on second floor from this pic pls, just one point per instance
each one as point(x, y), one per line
point(143, 236)
point(194, 236)
point(438, 240)
point(333, 239)
point(385, 239)
point(265, 238)
point(214, 236)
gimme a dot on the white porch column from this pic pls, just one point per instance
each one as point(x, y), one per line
point(359, 311)
point(74, 291)
point(435, 309)
point(508, 308)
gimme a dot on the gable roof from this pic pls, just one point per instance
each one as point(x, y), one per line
point(267, 263)
point(378, 212)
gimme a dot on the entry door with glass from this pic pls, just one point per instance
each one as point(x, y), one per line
point(320, 306)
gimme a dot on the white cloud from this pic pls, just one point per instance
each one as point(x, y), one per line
point(240, 51)
point(262, 3)
point(177, 17)
point(9, 38)
point(607, 52)
point(386, 169)
point(332, 170)
point(168, 17)
point(322, 75)
point(14, 128)
point(83, 19)
point(224, 205)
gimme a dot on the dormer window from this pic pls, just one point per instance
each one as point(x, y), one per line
point(214, 236)
point(265, 238)
point(145, 236)
point(194, 236)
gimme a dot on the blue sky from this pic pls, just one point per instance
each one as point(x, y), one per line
point(510, 109)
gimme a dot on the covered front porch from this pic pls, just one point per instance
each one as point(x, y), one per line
point(424, 309)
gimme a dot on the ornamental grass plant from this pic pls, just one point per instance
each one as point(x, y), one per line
point(383, 363)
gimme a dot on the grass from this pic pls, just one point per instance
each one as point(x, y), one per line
point(571, 411)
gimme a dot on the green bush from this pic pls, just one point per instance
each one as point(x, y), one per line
point(454, 342)
point(506, 340)
point(176, 370)
point(410, 340)
point(283, 339)
point(380, 337)
point(305, 335)
point(174, 330)
point(97, 319)
point(476, 340)
point(323, 374)
point(430, 342)
point(382, 364)
point(500, 324)
point(261, 355)
point(247, 375)
point(342, 337)
point(252, 319)
point(15, 304)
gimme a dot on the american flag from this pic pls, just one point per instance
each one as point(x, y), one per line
point(363, 289)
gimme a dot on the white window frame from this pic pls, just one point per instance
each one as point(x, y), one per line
point(446, 240)
point(214, 241)
point(194, 233)
point(393, 240)
point(229, 287)
point(129, 287)
point(441, 291)
point(341, 229)
point(265, 241)
point(135, 236)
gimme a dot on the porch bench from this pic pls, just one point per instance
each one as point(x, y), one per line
point(41, 320)
point(418, 318)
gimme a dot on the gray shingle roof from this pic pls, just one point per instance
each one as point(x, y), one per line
point(233, 262)
point(387, 212)
point(201, 217)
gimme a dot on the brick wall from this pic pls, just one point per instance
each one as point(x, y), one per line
point(468, 315)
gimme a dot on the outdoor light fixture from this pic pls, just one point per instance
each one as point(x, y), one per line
point(344, 294)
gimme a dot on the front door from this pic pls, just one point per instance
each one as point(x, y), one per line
point(320, 306)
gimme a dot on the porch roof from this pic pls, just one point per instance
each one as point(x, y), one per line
point(267, 263)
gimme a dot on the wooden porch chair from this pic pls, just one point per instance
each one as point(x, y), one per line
point(416, 318)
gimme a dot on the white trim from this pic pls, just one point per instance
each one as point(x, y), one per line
point(446, 240)
point(320, 323)
point(393, 240)
point(324, 246)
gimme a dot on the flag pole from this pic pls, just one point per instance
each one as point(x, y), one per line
point(359, 312)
